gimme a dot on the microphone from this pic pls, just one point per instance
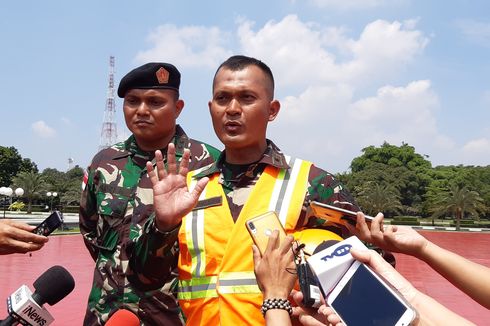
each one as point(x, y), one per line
point(123, 317)
point(308, 283)
point(325, 244)
point(26, 308)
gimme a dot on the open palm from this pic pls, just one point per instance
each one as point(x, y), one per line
point(172, 199)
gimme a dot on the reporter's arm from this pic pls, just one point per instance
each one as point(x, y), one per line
point(17, 237)
point(468, 276)
point(430, 312)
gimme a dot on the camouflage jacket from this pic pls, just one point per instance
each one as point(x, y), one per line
point(115, 204)
point(322, 187)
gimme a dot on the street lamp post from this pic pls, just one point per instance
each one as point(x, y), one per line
point(52, 195)
point(8, 192)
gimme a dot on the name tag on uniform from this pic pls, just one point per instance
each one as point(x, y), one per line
point(210, 202)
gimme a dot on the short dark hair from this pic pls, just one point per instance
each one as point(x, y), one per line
point(240, 62)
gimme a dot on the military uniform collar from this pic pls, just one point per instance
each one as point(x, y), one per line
point(272, 156)
point(131, 148)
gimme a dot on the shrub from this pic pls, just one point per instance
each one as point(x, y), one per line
point(17, 206)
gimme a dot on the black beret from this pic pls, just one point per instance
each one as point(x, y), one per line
point(150, 75)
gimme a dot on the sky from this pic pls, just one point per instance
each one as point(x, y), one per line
point(349, 73)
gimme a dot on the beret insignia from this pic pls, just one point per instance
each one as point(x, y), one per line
point(162, 75)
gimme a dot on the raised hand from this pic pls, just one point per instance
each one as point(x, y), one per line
point(172, 199)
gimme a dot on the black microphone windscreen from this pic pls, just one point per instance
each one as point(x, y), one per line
point(325, 245)
point(53, 285)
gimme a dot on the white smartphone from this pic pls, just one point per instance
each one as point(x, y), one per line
point(335, 214)
point(362, 298)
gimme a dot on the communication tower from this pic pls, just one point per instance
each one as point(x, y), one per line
point(108, 135)
point(70, 163)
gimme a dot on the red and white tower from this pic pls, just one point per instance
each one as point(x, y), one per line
point(108, 135)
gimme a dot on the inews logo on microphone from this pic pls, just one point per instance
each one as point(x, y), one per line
point(25, 310)
point(34, 315)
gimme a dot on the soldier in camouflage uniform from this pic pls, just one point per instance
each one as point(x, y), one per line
point(241, 107)
point(117, 200)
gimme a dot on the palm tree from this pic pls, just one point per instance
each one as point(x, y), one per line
point(32, 183)
point(375, 198)
point(457, 201)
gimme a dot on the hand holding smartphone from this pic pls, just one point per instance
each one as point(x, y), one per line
point(261, 227)
point(362, 298)
point(51, 223)
point(335, 214)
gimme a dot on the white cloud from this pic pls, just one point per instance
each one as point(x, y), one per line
point(474, 31)
point(189, 46)
point(41, 129)
point(336, 127)
point(352, 4)
point(320, 72)
point(303, 54)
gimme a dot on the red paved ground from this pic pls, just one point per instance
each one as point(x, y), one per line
point(69, 252)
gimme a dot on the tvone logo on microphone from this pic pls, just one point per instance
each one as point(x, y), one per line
point(34, 315)
point(338, 252)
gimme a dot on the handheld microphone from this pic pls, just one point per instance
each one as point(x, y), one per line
point(26, 308)
point(308, 283)
point(123, 317)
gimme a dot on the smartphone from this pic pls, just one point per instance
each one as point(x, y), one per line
point(362, 298)
point(51, 223)
point(335, 214)
point(261, 227)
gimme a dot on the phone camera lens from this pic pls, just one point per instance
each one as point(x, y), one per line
point(252, 227)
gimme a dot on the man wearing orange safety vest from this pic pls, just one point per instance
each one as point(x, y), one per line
point(217, 285)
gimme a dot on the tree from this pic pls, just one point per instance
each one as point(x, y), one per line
point(390, 155)
point(375, 198)
point(12, 163)
point(399, 167)
point(32, 183)
point(66, 184)
point(457, 201)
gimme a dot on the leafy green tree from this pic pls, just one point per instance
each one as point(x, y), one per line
point(446, 177)
point(32, 183)
point(457, 201)
point(390, 155)
point(12, 163)
point(375, 198)
point(398, 167)
point(66, 184)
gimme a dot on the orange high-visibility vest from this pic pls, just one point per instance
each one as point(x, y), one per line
point(217, 284)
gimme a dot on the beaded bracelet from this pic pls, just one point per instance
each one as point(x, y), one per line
point(276, 304)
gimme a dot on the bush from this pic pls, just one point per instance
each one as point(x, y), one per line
point(465, 223)
point(17, 206)
point(405, 220)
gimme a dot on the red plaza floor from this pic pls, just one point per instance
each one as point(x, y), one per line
point(69, 252)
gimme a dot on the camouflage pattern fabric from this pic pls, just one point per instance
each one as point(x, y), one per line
point(115, 205)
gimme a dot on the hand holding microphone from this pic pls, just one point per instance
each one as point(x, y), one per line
point(26, 307)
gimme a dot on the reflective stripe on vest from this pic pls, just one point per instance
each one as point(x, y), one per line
point(229, 282)
point(285, 196)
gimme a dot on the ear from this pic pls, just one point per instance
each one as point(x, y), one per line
point(179, 106)
point(209, 106)
point(274, 109)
